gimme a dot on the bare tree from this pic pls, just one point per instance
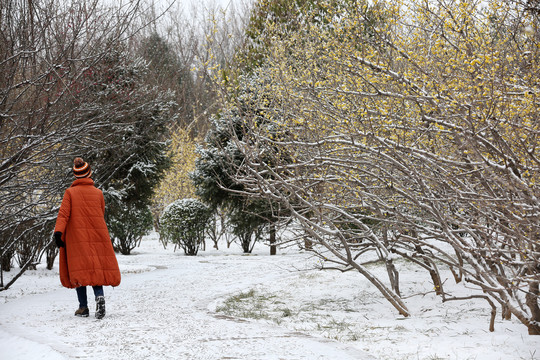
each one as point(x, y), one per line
point(203, 36)
point(409, 135)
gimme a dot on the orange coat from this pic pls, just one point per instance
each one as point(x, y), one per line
point(88, 257)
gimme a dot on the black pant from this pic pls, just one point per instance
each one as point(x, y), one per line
point(81, 294)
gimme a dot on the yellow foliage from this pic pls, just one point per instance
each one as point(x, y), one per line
point(176, 184)
point(429, 72)
point(445, 89)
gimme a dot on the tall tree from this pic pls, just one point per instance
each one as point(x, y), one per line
point(214, 181)
point(167, 71)
point(133, 162)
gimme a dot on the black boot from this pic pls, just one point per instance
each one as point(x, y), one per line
point(100, 307)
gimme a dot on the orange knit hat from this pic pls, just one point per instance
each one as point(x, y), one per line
point(81, 169)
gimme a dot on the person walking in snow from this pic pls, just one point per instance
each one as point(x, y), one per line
point(86, 253)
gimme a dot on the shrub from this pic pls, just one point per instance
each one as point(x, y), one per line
point(184, 223)
point(127, 224)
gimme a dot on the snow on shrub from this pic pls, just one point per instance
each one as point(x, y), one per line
point(127, 224)
point(183, 223)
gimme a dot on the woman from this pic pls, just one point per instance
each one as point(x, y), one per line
point(86, 253)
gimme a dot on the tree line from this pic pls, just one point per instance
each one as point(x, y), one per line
point(393, 131)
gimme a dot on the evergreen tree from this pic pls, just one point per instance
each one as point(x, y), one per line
point(169, 73)
point(135, 158)
point(217, 168)
point(214, 182)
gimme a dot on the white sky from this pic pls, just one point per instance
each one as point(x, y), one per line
point(209, 4)
point(198, 10)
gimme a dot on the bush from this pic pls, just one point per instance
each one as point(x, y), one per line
point(127, 225)
point(184, 223)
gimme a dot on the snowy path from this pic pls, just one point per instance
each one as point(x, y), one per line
point(160, 311)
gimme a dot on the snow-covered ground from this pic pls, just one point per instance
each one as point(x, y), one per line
point(226, 305)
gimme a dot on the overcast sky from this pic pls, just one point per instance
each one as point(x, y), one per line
point(187, 4)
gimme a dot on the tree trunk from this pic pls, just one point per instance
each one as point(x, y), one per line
point(6, 261)
point(532, 303)
point(51, 254)
point(245, 241)
point(393, 275)
point(390, 295)
point(272, 239)
point(506, 313)
point(437, 283)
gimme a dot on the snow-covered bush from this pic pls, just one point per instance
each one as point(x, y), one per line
point(184, 223)
point(127, 225)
